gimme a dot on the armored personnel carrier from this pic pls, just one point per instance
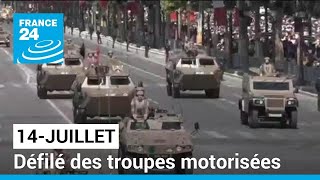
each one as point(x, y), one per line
point(60, 76)
point(57, 76)
point(188, 72)
point(268, 99)
point(105, 94)
point(162, 135)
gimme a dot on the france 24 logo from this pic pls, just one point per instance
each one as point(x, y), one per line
point(38, 38)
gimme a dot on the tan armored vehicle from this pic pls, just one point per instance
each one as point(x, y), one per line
point(4, 38)
point(162, 135)
point(58, 77)
point(268, 99)
point(193, 73)
point(105, 94)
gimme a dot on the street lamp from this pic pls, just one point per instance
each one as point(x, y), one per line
point(300, 15)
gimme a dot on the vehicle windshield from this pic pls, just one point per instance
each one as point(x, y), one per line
point(94, 81)
point(72, 62)
point(206, 62)
point(54, 64)
point(186, 61)
point(276, 86)
point(139, 126)
point(119, 80)
point(171, 125)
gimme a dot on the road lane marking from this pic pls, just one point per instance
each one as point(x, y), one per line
point(134, 67)
point(16, 85)
point(237, 95)
point(28, 72)
point(24, 69)
point(227, 101)
point(155, 102)
point(59, 111)
point(141, 70)
point(215, 134)
point(246, 134)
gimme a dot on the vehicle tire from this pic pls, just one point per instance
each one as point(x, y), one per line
point(293, 121)
point(81, 117)
point(209, 93)
point(175, 92)
point(253, 120)
point(121, 154)
point(178, 169)
point(42, 92)
point(169, 89)
point(244, 118)
point(213, 93)
point(39, 75)
point(8, 44)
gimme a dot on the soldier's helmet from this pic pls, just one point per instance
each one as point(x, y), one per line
point(69, 41)
point(110, 54)
point(267, 60)
point(140, 84)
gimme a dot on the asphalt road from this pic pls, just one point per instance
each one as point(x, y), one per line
point(221, 133)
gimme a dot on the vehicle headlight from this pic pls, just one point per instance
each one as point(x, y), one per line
point(292, 101)
point(258, 101)
point(179, 148)
point(188, 147)
point(140, 148)
point(169, 150)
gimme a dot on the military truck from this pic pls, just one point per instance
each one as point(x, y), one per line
point(103, 95)
point(4, 38)
point(162, 135)
point(193, 73)
point(268, 99)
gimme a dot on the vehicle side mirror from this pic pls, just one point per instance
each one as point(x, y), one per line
point(196, 126)
point(39, 67)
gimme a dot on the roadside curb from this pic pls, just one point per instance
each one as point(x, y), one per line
point(307, 93)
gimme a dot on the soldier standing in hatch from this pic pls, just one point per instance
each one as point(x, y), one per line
point(267, 69)
point(140, 105)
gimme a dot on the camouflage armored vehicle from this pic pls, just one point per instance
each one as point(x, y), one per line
point(268, 99)
point(162, 135)
point(57, 76)
point(105, 94)
point(193, 73)
point(4, 38)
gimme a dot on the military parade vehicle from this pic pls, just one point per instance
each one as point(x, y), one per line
point(103, 95)
point(161, 135)
point(4, 37)
point(59, 76)
point(268, 99)
point(193, 72)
